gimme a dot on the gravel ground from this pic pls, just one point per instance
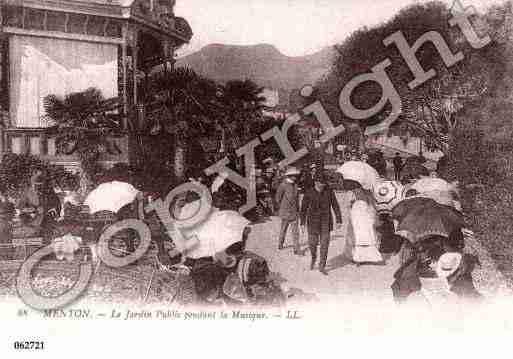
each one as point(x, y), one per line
point(108, 285)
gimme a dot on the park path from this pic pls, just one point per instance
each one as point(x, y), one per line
point(346, 281)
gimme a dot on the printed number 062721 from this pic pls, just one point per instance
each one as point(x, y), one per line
point(18, 345)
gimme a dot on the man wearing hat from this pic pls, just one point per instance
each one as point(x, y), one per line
point(398, 166)
point(287, 199)
point(316, 215)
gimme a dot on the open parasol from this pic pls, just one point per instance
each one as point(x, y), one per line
point(218, 232)
point(360, 172)
point(438, 190)
point(110, 196)
point(420, 217)
point(388, 194)
point(428, 184)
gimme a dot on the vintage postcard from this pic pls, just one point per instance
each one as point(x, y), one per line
point(189, 174)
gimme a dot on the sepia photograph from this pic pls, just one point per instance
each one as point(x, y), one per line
point(286, 167)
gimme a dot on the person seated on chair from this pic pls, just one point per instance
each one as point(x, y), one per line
point(29, 206)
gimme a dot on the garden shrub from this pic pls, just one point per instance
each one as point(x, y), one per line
point(16, 170)
point(493, 217)
point(481, 158)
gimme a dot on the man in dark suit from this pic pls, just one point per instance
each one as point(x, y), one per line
point(398, 166)
point(316, 215)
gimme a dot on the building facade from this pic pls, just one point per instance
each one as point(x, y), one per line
point(59, 47)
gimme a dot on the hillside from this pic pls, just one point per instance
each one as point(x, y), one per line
point(264, 64)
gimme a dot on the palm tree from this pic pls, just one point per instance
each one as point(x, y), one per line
point(244, 101)
point(182, 105)
point(242, 104)
point(83, 122)
point(188, 106)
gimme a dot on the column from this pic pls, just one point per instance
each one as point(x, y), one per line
point(125, 71)
point(135, 51)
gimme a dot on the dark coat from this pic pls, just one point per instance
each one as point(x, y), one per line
point(407, 279)
point(306, 180)
point(316, 210)
point(398, 162)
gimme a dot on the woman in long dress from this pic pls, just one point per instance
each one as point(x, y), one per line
point(361, 241)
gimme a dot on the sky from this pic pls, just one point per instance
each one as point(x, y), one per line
point(295, 27)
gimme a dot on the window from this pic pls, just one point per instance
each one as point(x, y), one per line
point(55, 21)
point(12, 16)
point(35, 145)
point(17, 145)
point(52, 151)
point(95, 25)
point(35, 19)
point(76, 23)
point(114, 29)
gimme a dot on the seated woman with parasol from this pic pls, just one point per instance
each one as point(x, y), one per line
point(432, 227)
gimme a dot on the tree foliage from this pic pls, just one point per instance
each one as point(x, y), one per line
point(188, 106)
point(16, 171)
point(83, 122)
point(429, 109)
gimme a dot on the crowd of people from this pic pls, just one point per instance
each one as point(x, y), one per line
point(307, 206)
point(313, 217)
point(304, 200)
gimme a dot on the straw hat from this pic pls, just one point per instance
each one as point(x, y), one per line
point(448, 264)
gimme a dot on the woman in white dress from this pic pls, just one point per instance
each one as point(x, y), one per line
point(361, 240)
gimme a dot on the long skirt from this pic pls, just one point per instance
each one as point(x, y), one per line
point(361, 244)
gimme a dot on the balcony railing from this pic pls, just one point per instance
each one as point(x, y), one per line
point(40, 142)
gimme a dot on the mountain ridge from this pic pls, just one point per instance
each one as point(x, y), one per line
point(262, 63)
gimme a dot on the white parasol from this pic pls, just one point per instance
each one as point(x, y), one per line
point(438, 190)
point(360, 172)
point(217, 233)
point(110, 196)
point(428, 184)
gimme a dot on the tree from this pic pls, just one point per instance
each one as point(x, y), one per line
point(241, 106)
point(84, 122)
point(429, 109)
point(181, 107)
point(188, 106)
